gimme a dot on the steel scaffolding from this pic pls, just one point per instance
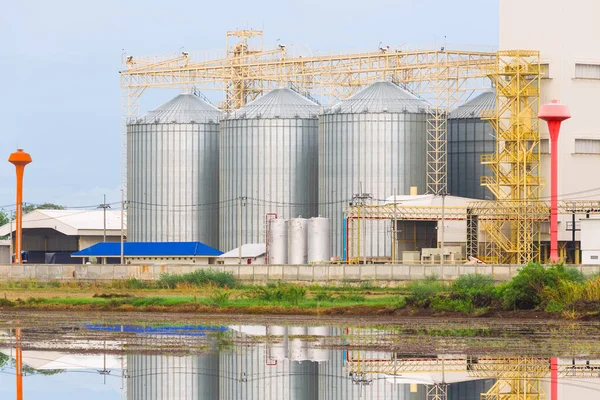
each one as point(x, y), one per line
point(476, 214)
point(516, 163)
point(443, 77)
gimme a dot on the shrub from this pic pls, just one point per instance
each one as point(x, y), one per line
point(554, 306)
point(219, 298)
point(200, 277)
point(453, 305)
point(421, 292)
point(477, 288)
point(324, 296)
point(6, 303)
point(281, 293)
point(526, 290)
point(591, 289)
point(355, 298)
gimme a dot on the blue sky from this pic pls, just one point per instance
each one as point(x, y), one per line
point(74, 385)
point(60, 61)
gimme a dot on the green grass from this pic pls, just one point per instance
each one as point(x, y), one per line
point(555, 289)
point(197, 278)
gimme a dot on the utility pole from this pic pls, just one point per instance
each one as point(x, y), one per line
point(19, 361)
point(360, 199)
point(122, 228)
point(239, 225)
point(11, 236)
point(104, 206)
point(395, 230)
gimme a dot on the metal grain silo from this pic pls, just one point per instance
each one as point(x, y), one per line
point(298, 241)
point(173, 173)
point(250, 373)
point(374, 142)
point(157, 377)
point(469, 136)
point(268, 164)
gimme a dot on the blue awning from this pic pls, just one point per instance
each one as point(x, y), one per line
point(149, 249)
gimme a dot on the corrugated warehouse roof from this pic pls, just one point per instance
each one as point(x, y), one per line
point(476, 106)
point(71, 222)
point(278, 103)
point(381, 97)
point(149, 249)
point(251, 250)
point(52, 360)
point(182, 109)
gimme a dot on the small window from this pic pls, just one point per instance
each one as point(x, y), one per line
point(545, 71)
point(544, 146)
point(587, 146)
point(594, 257)
point(587, 71)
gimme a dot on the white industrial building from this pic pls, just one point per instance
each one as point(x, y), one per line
point(590, 241)
point(566, 34)
point(5, 252)
point(253, 253)
point(420, 240)
point(62, 232)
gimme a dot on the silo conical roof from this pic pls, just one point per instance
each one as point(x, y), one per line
point(476, 106)
point(382, 97)
point(278, 103)
point(182, 109)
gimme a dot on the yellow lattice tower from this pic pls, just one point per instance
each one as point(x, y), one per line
point(514, 238)
point(240, 88)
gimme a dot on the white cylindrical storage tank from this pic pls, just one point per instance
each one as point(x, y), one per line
point(374, 142)
point(297, 345)
point(316, 351)
point(268, 163)
point(297, 241)
point(319, 239)
point(278, 349)
point(173, 173)
point(277, 246)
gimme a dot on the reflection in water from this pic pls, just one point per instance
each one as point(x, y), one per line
point(277, 363)
point(299, 363)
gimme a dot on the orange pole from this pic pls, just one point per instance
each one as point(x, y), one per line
point(19, 364)
point(19, 159)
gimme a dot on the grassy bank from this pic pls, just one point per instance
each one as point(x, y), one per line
point(556, 291)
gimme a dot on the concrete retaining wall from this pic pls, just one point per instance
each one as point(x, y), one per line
point(384, 274)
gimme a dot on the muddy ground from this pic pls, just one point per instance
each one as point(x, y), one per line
point(418, 336)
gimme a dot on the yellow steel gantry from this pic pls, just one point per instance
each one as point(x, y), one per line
point(444, 77)
point(476, 214)
point(517, 378)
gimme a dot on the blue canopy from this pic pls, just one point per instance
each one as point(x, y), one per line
point(149, 249)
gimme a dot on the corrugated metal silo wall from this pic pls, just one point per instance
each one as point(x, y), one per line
point(246, 375)
point(336, 384)
point(172, 182)
point(158, 377)
point(468, 138)
point(385, 152)
point(272, 163)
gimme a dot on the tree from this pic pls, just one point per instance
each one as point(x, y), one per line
point(27, 208)
point(4, 219)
